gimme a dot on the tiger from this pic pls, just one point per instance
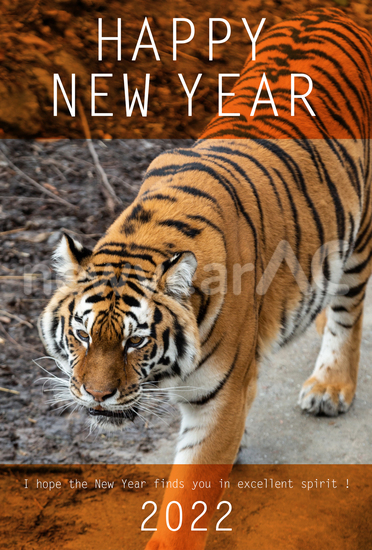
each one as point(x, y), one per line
point(232, 248)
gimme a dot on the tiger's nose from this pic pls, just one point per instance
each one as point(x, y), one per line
point(100, 395)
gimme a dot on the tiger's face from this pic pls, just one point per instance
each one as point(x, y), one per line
point(119, 334)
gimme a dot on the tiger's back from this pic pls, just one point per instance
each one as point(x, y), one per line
point(334, 52)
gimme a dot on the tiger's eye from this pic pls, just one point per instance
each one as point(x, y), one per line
point(135, 341)
point(84, 336)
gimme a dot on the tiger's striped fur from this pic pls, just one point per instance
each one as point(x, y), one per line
point(334, 52)
point(232, 247)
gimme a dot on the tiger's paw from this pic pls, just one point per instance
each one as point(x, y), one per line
point(319, 397)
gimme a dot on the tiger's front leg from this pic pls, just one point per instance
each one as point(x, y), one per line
point(331, 388)
point(211, 430)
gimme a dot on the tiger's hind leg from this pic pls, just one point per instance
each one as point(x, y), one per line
point(331, 388)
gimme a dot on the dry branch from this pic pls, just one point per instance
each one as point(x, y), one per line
point(20, 198)
point(19, 319)
point(36, 184)
point(11, 231)
point(17, 344)
point(111, 197)
point(31, 276)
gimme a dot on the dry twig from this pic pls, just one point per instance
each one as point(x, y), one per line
point(111, 197)
point(38, 504)
point(59, 173)
point(20, 198)
point(11, 231)
point(20, 277)
point(36, 184)
point(15, 343)
point(15, 392)
point(19, 319)
point(79, 234)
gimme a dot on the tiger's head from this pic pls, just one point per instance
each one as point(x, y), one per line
point(118, 330)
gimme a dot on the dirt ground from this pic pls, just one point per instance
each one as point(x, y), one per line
point(34, 431)
point(43, 37)
point(299, 518)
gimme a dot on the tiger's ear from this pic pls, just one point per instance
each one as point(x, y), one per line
point(177, 273)
point(70, 257)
